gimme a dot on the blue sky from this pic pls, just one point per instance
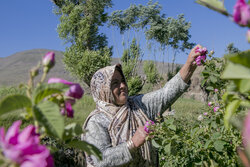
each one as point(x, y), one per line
point(29, 24)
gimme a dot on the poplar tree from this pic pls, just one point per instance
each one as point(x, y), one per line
point(87, 49)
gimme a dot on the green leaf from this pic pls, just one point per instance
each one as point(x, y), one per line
point(230, 110)
point(193, 131)
point(216, 135)
point(167, 149)
point(214, 5)
point(172, 127)
point(210, 88)
point(203, 82)
point(245, 103)
point(236, 71)
point(213, 79)
point(86, 147)
point(169, 121)
point(219, 145)
point(72, 130)
point(243, 85)
point(14, 102)
point(214, 124)
point(155, 144)
point(207, 144)
point(242, 58)
point(45, 90)
point(47, 114)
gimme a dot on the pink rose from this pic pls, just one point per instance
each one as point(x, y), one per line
point(202, 57)
point(59, 80)
point(148, 125)
point(241, 13)
point(49, 59)
point(216, 108)
point(24, 147)
point(75, 92)
point(75, 89)
point(69, 109)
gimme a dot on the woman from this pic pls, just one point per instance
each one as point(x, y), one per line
point(116, 126)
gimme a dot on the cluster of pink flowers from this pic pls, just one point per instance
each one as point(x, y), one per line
point(75, 92)
point(147, 126)
point(24, 148)
point(216, 108)
point(202, 57)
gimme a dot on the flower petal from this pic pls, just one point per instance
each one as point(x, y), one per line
point(12, 133)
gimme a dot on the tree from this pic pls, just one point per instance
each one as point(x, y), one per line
point(79, 26)
point(151, 72)
point(168, 32)
point(232, 49)
point(130, 59)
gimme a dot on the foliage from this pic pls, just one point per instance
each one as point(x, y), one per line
point(203, 143)
point(237, 94)
point(80, 21)
point(168, 32)
point(84, 63)
point(151, 72)
point(135, 84)
point(232, 49)
point(206, 141)
point(212, 75)
point(130, 60)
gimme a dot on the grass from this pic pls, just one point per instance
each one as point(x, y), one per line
point(188, 109)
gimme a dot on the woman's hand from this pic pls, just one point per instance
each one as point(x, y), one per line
point(139, 137)
point(187, 70)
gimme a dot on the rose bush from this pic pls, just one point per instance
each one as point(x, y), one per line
point(45, 104)
point(216, 138)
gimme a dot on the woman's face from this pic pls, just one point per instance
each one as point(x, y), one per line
point(119, 88)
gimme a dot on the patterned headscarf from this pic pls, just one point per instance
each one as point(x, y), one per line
point(124, 119)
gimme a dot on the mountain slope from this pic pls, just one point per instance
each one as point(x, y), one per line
point(14, 70)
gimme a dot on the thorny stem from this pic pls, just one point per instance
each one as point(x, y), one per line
point(45, 72)
point(43, 77)
point(30, 86)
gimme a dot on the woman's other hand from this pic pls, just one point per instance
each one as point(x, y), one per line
point(188, 68)
point(139, 137)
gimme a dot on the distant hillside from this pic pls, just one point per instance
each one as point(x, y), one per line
point(14, 69)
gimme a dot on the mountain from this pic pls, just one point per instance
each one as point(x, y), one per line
point(14, 69)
